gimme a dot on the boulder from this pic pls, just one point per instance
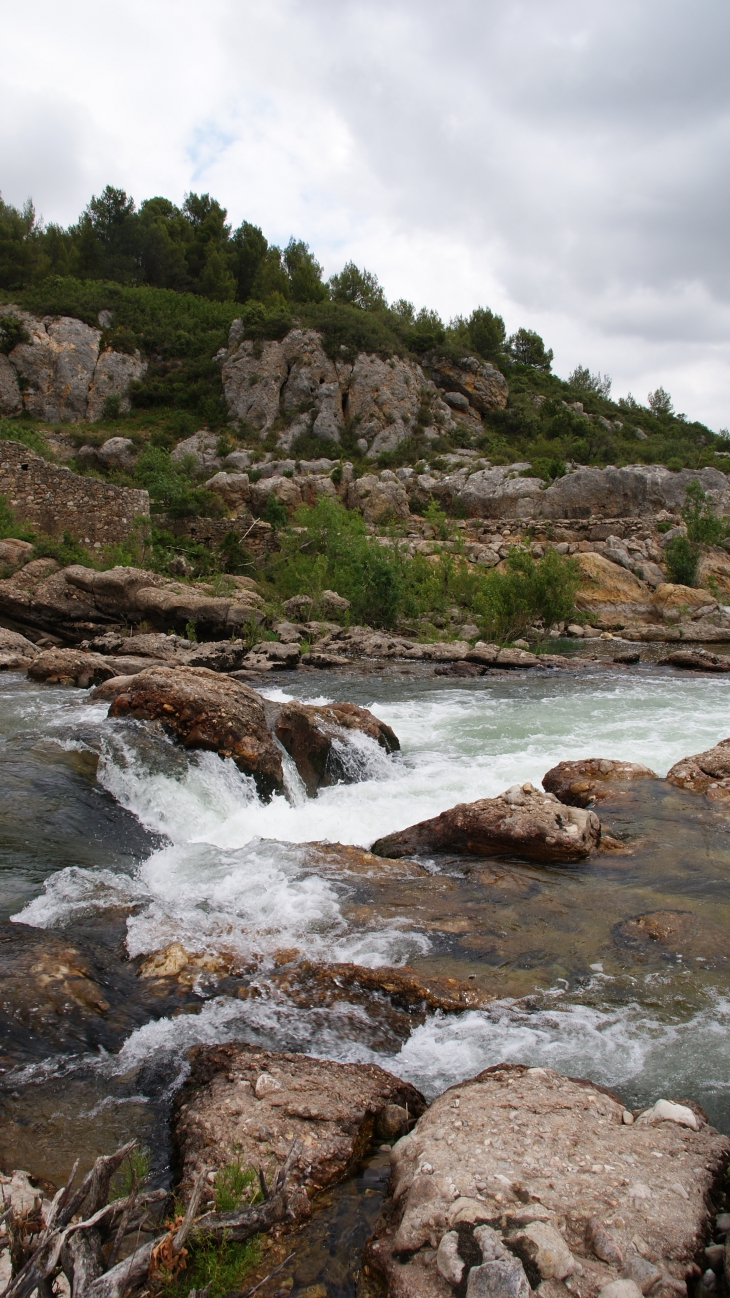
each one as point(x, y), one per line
point(205, 710)
point(151, 644)
point(698, 660)
point(482, 385)
point(299, 606)
point(15, 651)
point(675, 603)
point(312, 486)
point(11, 398)
point(521, 822)
point(542, 1174)
point(70, 667)
point(110, 688)
point(284, 490)
point(307, 733)
point(238, 461)
point(202, 447)
point(580, 784)
point(252, 1105)
point(116, 453)
point(57, 366)
point(612, 594)
point(332, 604)
point(377, 500)
point(114, 374)
point(499, 492)
point(14, 553)
point(233, 488)
point(324, 660)
point(707, 772)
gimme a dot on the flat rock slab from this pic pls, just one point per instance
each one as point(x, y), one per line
point(204, 709)
point(580, 784)
point(707, 773)
point(569, 1190)
point(522, 822)
point(252, 1105)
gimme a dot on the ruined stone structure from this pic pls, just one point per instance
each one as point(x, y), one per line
point(55, 500)
point(255, 535)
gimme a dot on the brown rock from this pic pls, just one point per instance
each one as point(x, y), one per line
point(698, 660)
point(612, 594)
point(111, 688)
point(521, 822)
point(70, 667)
point(670, 933)
point(253, 1105)
point(307, 732)
point(580, 784)
point(15, 650)
point(544, 1160)
point(484, 386)
point(14, 553)
point(206, 710)
point(707, 772)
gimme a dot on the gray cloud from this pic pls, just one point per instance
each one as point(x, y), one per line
point(564, 162)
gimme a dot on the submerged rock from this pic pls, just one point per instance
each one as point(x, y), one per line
point(521, 822)
point(542, 1174)
point(580, 784)
point(253, 1105)
point(307, 733)
point(707, 772)
point(674, 935)
point(206, 710)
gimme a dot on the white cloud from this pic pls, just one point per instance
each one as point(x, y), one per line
point(562, 162)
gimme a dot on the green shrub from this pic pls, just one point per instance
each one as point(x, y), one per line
point(10, 527)
point(66, 551)
point(111, 406)
point(171, 488)
point(703, 525)
point(12, 332)
point(215, 1269)
point(274, 512)
point(509, 602)
point(682, 558)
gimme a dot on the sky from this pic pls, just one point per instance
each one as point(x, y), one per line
point(564, 162)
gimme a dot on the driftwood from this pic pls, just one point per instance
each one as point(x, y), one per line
point(85, 1245)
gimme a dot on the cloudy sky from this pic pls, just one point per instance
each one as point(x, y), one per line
point(562, 161)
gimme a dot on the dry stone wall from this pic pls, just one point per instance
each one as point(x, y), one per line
point(55, 500)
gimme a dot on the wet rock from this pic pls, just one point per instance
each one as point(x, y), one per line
point(524, 1161)
point(269, 654)
point(218, 655)
point(521, 822)
point(114, 374)
point(405, 988)
point(15, 651)
point(580, 784)
point(324, 660)
point(206, 710)
point(707, 773)
point(627, 657)
point(110, 688)
point(329, 1110)
point(308, 732)
point(461, 668)
point(150, 644)
point(70, 667)
point(674, 935)
point(699, 660)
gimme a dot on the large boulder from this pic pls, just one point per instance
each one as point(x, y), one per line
point(308, 732)
point(483, 386)
point(707, 772)
point(500, 492)
point(116, 453)
point(521, 822)
point(580, 784)
point(613, 595)
point(114, 374)
point(248, 1105)
point(70, 667)
point(233, 488)
point(697, 660)
point(522, 1166)
point(15, 651)
point(378, 499)
point(202, 448)
point(637, 490)
point(14, 553)
point(284, 490)
point(205, 710)
point(56, 367)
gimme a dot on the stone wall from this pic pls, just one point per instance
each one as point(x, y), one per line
point(55, 500)
point(256, 536)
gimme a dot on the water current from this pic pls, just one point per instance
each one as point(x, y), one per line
point(111, 834)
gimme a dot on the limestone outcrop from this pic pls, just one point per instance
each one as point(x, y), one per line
point(253, 1105)
point(59, 372)
point(309, 732)
point(580, 784)
point(521, 1179)
point(521, 822)
point(203, 709)
point(707, 772)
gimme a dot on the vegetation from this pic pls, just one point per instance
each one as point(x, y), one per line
point(682, 554)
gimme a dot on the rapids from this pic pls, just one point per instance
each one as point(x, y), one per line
point(107, 823)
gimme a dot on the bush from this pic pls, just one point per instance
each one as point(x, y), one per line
point(682, 558)
point(274, 512)
point(528, 592)
point(10, 527)
point(703, 525)
point(171, 488)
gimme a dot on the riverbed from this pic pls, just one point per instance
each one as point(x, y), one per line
point(114, 838)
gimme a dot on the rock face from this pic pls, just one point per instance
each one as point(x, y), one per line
point(483, 386)
point(252, 1105)
point(637, 490)
point(542, 1173)
point(521, 822)
point(707, 772)
point(611, 593)
point(205, 710)
point(385, 398)
point(114, 374)
point(233, 488)
point(580, 784)
point(11, 398)
point(308, 733)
